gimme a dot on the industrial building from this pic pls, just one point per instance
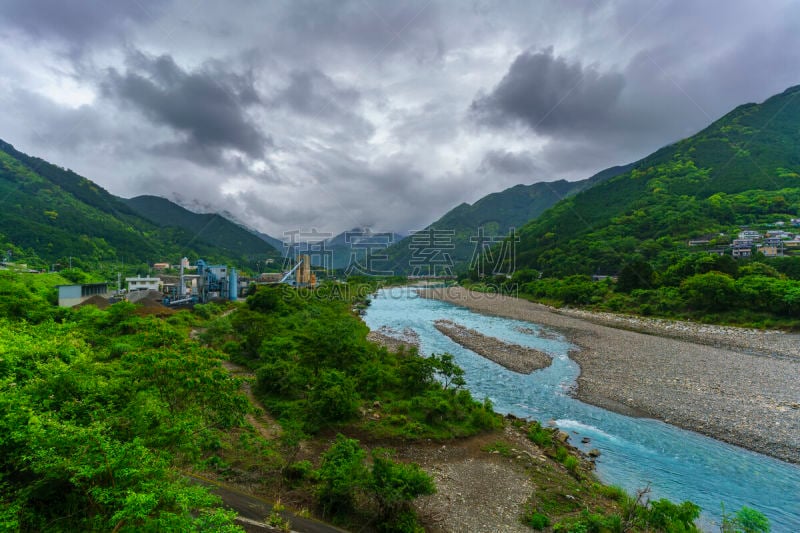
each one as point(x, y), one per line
point(143, 283)
point(72, 295)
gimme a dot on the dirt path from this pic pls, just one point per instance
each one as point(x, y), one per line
point(262, 422)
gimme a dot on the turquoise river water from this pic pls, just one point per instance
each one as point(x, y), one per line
point(677, 464)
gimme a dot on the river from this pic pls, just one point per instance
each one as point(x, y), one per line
point(636, 452)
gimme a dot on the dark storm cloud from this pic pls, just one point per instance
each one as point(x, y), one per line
point(207, 105)
point(509, 163)
point(549, 94)
point(76, 21)
point(377, 28)
point(315, 95)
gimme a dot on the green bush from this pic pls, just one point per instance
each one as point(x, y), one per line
point(542, 437)
point(341, 475)
point(572, 463)
point(535, 519)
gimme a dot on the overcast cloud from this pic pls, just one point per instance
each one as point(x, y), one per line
point(292, 115)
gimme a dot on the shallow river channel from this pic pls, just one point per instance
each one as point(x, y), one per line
point(677, 464)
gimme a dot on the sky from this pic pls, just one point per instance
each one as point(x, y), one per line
point(293, 115)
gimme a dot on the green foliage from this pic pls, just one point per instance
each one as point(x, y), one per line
point(746, 520)
point(572, 463)
point(672, 517)
point(97, 411)
point(635, 274)
point(542, 437)
point(51, 214)
point(535, 519)
point(706, 185)
point(712, 291)
point(341, 475)
point(316, 369)
point(394, 486)
point(495, 214)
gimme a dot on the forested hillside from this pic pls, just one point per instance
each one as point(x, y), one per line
point(744, 169)
point(496, 213)
point(53, 214)
point(211, 229)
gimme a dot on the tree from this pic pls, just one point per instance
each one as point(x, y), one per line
point(712, 291)
point(396, 485)
point(636, 274)
point(449, 372)
point(341, 474)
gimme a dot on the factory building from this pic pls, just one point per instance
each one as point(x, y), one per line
point(72, 295)
point(143, 284)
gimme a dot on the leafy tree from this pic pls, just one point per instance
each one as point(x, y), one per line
point(636, 274)
point(712, 291)
point(333, 398)
point(341, 474)
point(395, 486)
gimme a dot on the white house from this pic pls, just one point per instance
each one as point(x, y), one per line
point(142, 284)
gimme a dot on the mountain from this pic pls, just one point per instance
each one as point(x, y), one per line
point(53, 213)
point(744, 169)
point(496, 213)
point(272, 241)
point(340, 251)
point(212, 229)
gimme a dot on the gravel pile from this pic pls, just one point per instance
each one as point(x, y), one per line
point(394, 340)
point(512, 356)
point(740, 386)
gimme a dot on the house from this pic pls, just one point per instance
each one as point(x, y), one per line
point(72, 295)
point(795, 222)
point(772, 247)
point(750, 234)
point(160, 267)
point(142, 284)
point(741, 248)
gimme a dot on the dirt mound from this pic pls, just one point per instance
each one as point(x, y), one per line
point(97, 301)
point(151, 304)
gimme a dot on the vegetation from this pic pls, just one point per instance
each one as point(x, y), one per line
point(742, 171)
point(496, 213)
point(316, 370)
point(103, 411)
point(99, 410)
point(757, 292)
point(51, 214)
point(217, 231)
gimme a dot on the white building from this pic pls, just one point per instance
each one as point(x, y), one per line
point(143, 284)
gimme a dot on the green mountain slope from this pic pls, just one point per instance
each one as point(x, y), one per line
point(495, 213)
point(211, 229)
point(55, 213)
point(743, 169)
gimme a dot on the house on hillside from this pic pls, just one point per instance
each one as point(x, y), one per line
point(750, 234)
point(742, 248)
point(772, 247)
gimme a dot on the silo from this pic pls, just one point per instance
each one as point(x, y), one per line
point(233, 285)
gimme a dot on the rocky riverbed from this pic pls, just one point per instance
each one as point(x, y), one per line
point(740, 386)
point(512, 356)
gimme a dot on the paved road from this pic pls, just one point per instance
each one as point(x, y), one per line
point(252, 510)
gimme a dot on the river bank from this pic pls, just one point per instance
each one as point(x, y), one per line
point(739, 386)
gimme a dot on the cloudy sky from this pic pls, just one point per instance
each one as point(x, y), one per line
point(336, 114)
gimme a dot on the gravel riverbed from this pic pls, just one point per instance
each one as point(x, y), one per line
point(512, 356)
point(737, 385)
